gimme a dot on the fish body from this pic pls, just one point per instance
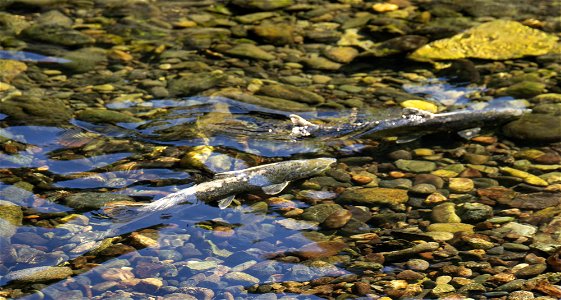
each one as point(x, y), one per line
point(411, 123)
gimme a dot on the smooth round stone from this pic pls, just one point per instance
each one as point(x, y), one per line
point(430, 179)
point(39, 274)
point(370, 196)
point(535, 127)
point(337, 219)
point(319, 213)
point(415, 166)
point(474, 212)
point(515, 247)
point(521, 295)
point(423, 188)
point(440, 236)
point(400, 154)
point(396, 183)
point(451, 227)
point(531, 271)
point(460, 185)
point(241, 278)
point(445, 213)
point(417, 264)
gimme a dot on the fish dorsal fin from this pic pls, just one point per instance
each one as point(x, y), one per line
point(275, 188)
point(410, 111)
point(469, 133)
point(223, 203)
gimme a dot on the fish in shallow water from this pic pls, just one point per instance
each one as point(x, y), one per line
point(412, 124)
point(269, 178)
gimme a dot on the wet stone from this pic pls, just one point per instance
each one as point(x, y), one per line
point(474, 212)
point(445, 213)
point(337, 219)
point(535, 127)
point(57, 34)
point(91, 200)
point(318, 213)
point(374, 196)
point(39, 274)
point(105, 116)
point(291, 93)
point(241, 278)
point(451, 227)
point(416, 166)
point(531, 271)
point(423, 188)
point(460, 185)
point(191, 84)
point(250, 51)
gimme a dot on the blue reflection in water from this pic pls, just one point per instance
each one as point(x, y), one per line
point(30, 56)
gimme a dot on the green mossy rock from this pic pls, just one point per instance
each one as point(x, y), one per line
point(97, 115)
point(48, 111)
point(263, 4)
point(535, 127)
point(497, 40)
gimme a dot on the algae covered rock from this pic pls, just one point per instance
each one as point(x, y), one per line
point(498, 40)
point(535, 127)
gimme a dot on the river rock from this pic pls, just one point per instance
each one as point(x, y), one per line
point(374, 196)
point(9, 69)
point(250, 51)
point(91, 200)
point(57, 34)
point(499, 40)
point(416, 166)
point(318, 213)
point(451, 227)
point(263, 4)
point(337, 219)
point(320, 249)
point(46, 111)
point(193, 83)
point(84, 59)
point(11, 216)
point(241, 278)
point(535, 127)
point(291, 93)
point(39, 274)
point(98, 115)
point(445, 213)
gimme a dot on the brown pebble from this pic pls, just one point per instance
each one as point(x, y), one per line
point(320, 249)
point(485, 139)
point(409, 275)
point(549, 158)
point(337, 219)
point(223, 231)
point(362, 288)
point(361, 179)
point(470, 173)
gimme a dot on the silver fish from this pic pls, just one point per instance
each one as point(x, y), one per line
point(269, 178)
point(412, 123)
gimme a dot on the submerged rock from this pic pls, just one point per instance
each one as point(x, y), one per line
point(535, 127)
point(39, 274)
point(91, 200)
point(499, 40)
